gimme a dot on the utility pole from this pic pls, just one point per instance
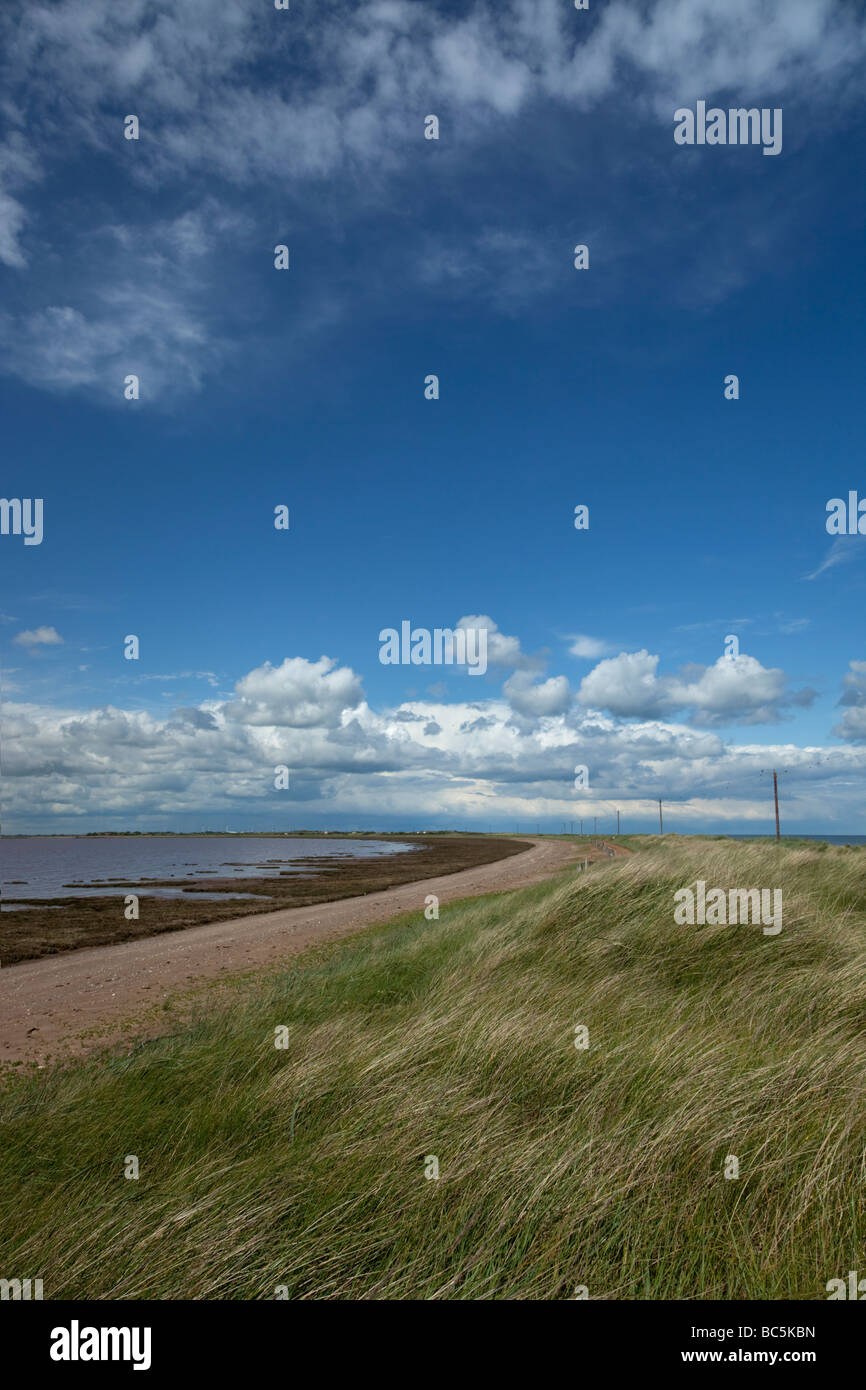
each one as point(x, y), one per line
point(617, 822)
point(661, 824)
point(776, 799)
point(595, 825)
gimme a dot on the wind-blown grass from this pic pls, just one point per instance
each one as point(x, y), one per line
point(304, 1168)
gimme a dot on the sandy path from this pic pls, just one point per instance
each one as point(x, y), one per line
point(45, 1005)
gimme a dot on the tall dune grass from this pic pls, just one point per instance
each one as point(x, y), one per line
point(303, 1169)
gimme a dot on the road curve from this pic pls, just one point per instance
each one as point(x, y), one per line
point(66, 1004)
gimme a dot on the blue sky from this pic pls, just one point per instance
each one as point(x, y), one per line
point(306, 387)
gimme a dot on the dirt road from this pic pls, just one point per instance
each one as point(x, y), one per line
point(66, 1004)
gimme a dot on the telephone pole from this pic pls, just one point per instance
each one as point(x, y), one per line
point(776, 799)
point(595, 825)
point(661, 823)
point(581, 827)
point(617, 822)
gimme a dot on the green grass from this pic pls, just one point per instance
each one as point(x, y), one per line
point(558, 1167)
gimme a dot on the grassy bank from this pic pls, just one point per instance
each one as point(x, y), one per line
point(559, 1167)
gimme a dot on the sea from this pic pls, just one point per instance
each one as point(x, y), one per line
point(67, 866)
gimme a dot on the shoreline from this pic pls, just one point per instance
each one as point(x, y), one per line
point(46, 927)
point(64, 1005)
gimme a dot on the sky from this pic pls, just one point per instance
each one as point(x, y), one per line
point(606, 387)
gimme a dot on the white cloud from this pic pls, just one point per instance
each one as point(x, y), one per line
point(130, 299)
point(734, 689)
point(625, 685)
point(514, 752)
point(501, 650)
point(12, 219)
point(852, 725)
point(552, 696)
point(588, 648)
point(359, 74)
point(297, 694)
point(423, 759)
point(208, 676)
point(842, 551)
point(248, 98)
point(38, 637)
point(18, 167)
point(130, 327)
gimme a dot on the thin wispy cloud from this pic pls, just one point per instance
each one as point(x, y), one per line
point(587, 648)
point(268, 109)
point(842, 551)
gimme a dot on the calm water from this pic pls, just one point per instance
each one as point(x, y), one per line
point(81, 866)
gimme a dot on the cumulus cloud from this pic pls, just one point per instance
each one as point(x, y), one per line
point(423, 760)
point(625, 684)
point(852, 725)
point(737, 689)
point(515, 751)
point(38, 637)
point(528, 697)
point(197, 718)
point(298, 694)
point(501, 650)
